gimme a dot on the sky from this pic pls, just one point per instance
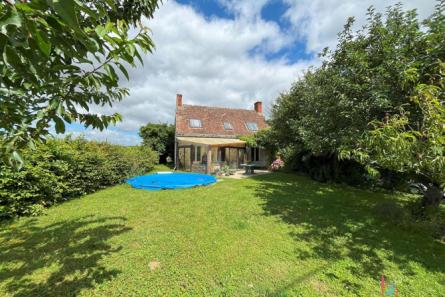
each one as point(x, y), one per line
point(229, 53)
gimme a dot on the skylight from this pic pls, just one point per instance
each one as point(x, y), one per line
point(252, 126)
point(228, 126)
point(194, 123)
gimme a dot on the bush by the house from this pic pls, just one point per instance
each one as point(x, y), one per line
point(277, 164)
point(62, 169)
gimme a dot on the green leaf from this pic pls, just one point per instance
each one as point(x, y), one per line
point(11, 57)
point(54, 104)
point(111, 3)
point(24, 7)
point(136, 52)
point(66, 9)
point(60, 109)
point(43, 43)
point(131, 49)
point(124, 71)
point(100, 30)
point(11, 18)
point(16, 160)
point(110, 70)
point(32, 144)
point(88, 11)
point(67, 118)
point(109, 26)
point(60, 125)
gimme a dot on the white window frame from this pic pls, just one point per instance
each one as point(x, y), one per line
point(252, 123)
point(229, 124)
point(197, 158)
point(195, 121)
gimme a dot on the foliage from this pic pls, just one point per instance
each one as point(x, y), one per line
point(63, 169)
point(59, 58)
point(160, 138)
point(399, 145)
point(325, 168)
point(225, 170)
point(329, 110)
point(265, 139)
point(270, 235)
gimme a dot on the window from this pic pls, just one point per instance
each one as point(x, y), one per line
point(197, 153)
point(194, 123)
point(254, 154)
point(221, 154)
point(252, 126)
point(228, 126)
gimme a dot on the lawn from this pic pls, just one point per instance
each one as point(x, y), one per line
point(272, 235)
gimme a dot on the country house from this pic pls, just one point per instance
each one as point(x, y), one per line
point(206, 138)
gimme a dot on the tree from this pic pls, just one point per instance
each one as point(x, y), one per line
point(265, 139)
point(400, 146)
point(328, 110)
point(59, 58)
point(359, 81)
point(160, 138)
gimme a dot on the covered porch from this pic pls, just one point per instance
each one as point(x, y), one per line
point(207, 155)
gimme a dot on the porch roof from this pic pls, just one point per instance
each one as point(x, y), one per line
point(213, 141)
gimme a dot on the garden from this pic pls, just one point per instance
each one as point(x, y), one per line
point(273, 235)
point(353, 205)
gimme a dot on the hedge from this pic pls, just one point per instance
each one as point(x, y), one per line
point(61, 169)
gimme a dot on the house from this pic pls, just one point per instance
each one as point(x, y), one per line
point(207, 138)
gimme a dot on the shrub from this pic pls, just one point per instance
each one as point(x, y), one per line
point(225, 170)
point(62, 169)
point(277, 164)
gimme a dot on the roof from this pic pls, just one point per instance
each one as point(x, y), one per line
point(213, 141)
point(212, 120)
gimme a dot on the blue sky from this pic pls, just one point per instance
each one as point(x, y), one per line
point(209, 8)
point(229, 53)
point(273, 11)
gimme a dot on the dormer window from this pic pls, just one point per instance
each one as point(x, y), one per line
point(228, 126)
point(195, 123)
point(252, 126)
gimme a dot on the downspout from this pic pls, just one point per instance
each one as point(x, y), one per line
point(176, 148)
point(178, 104)
point(175, 154)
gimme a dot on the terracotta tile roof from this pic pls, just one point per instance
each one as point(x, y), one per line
point(212, 120)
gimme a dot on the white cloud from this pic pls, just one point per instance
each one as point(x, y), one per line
point(249, 9)
point(209, 61)
point(319, 21)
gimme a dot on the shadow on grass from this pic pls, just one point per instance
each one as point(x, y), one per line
point(59, 259)
point(282, 291)
point(341, 223)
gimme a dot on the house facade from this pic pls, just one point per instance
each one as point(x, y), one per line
point(207, 138)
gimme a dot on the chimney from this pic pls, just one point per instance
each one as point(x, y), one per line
point(258, 106)
point(178, 100)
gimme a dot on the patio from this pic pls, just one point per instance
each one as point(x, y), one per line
point(240, 174)
point(209, 155)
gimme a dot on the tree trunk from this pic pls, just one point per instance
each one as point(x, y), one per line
point(432, 196)
point(335, 167)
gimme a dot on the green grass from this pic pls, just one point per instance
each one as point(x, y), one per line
point(272, 235)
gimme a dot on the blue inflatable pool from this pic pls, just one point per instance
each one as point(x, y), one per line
point(170, 181)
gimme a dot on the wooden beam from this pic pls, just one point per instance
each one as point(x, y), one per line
point(237, 158)
point(209, 159)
